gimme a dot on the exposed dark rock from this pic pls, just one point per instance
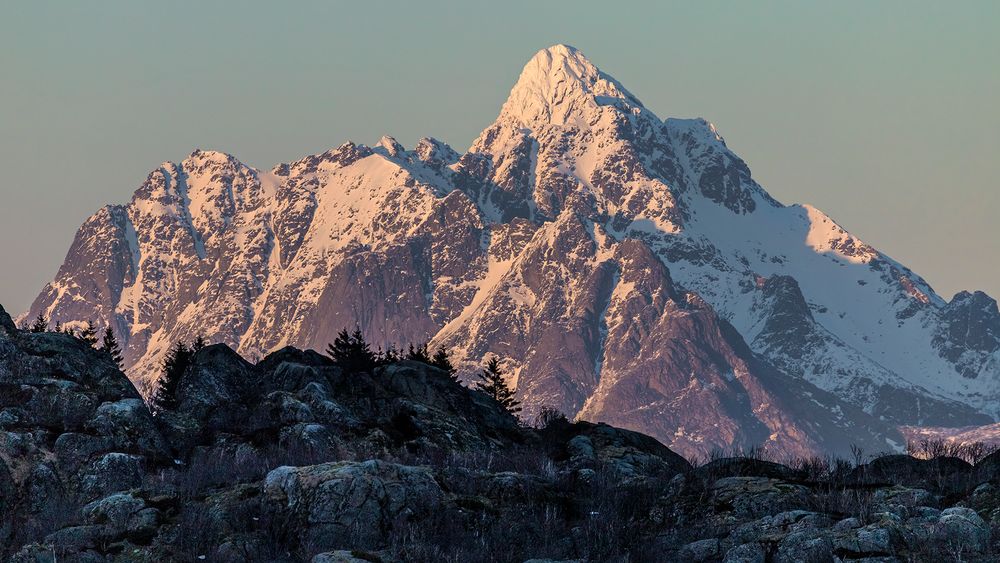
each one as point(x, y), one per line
point(6, 323)
point(971, 332)
point(346, 504)
point(946, 474)
point(585, 446)
point(74, 430)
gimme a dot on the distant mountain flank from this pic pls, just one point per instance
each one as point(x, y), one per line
point(623, 269)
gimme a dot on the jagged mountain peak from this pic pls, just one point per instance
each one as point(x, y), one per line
point(696, 129)
point(199, 155)
point(391, 145)
point(560, 86)
point(977, 299)
point(568, 218)
point(429, 149)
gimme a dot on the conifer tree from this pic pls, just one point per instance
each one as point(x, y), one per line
point(418, 354)
point(340, 349)
point(89, 334)
point(351, 353)
point(442, 362)
point(199, 343)
point(58, 327)
point(41, 324)
point(110, 346)
point(389, 356)
point(491, 382)
point(174, 366)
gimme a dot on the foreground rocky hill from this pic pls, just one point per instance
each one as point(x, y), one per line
point(617, 263)
point(290, 459)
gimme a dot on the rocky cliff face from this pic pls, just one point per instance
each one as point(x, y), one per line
point(599, 251)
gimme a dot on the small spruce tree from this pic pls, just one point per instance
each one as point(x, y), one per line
point(109, 345)
point(492, 383)
point(174, 366)
point(340, 349)
point(58, 327)
point(389, 356)
point(351, 353)
point(418, 354)
point(199, 343)
point(443, 362)
point(89, 334)
point(41, 324)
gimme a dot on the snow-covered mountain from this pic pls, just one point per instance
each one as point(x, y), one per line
point(624, 268)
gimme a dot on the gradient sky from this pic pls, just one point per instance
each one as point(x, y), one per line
point(884, 115)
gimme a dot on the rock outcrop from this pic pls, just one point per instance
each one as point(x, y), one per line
point(73, 429)
point(291, 459)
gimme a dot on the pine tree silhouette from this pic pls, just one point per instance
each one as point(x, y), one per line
point(109, 345)
point(351, 353)
point(41, 324)
point(174, 366)
point(491, 382)
point(89, 334)
point(442, 362)
point(199, 343)
point(389, 356)
point(418, 354)
point(58, 327)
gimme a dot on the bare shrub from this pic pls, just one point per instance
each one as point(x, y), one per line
point(933, 448)
point(844, 501)
point(196, 532)
point(858, 453)
point(548, 416)
point(526, 460)
point(814, 468)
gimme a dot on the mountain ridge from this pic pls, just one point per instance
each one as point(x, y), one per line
point(477, 251)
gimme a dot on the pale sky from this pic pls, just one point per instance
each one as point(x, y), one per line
point(884, 115)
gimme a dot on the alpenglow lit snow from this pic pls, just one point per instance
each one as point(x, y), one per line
point(623, 268)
